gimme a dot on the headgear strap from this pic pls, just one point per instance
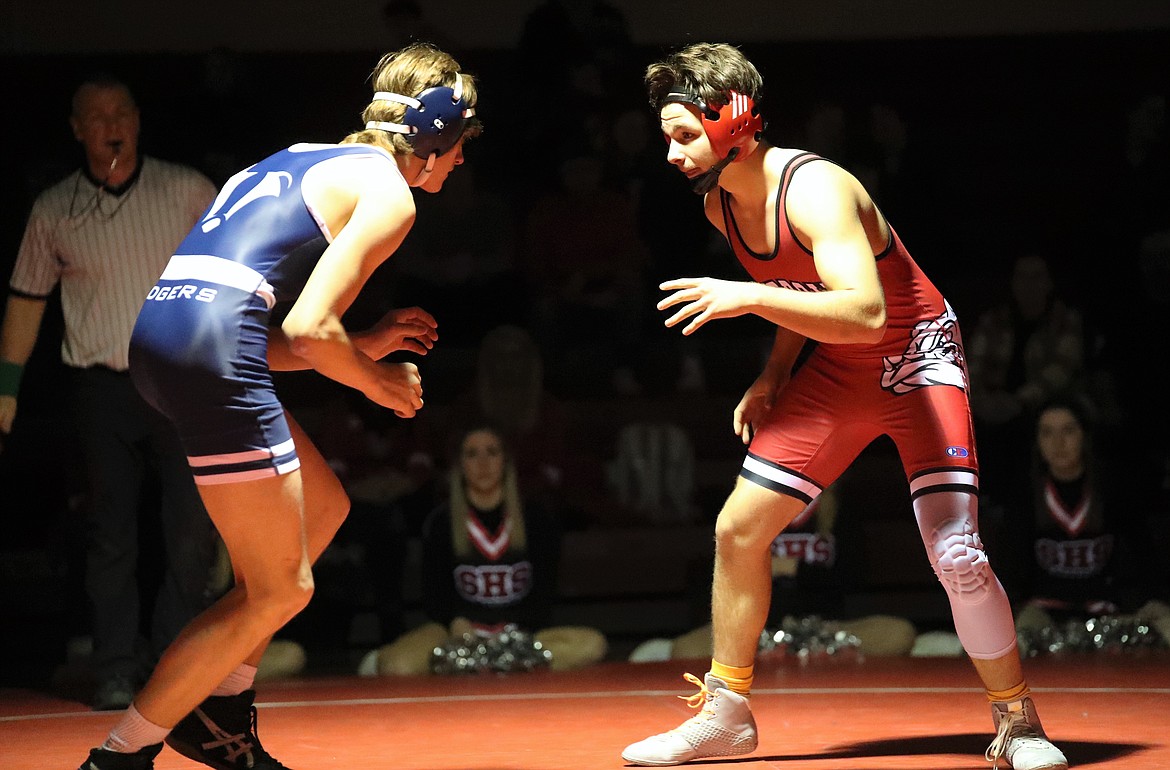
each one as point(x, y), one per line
point(434, 120)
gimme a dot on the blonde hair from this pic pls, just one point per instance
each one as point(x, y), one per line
point(460, 506)
point(410, 71)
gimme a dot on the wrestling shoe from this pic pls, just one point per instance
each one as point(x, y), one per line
point(1020, 739)
point(221, 733)
point(724, 727)
point(104, 759)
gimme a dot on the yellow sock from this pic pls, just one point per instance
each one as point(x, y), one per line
point(1019, 692)
point(738, 678)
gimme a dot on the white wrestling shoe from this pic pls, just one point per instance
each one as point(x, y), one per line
point(1020, 739)
point(724, 727)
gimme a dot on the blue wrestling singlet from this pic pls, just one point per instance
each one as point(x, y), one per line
point(199, 350)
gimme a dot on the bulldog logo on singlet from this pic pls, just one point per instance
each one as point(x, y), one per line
point(272, 185)
point(494, 584)
point(933, 357)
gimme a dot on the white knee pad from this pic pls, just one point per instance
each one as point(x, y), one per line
point(958, 558)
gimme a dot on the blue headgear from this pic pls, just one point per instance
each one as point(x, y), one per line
point(433, 122)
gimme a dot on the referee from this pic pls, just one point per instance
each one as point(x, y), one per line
point(104, 233)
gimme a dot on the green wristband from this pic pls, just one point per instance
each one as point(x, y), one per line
point(10, 378)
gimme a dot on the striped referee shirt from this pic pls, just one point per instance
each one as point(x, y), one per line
point(106, 251)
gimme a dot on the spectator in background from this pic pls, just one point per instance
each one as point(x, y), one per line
point(826, 131)
point(1071, 547)
point(883, 159)
point(1146, 151)
point(227, 127)
point(585, 263)
point(490, 560)
point(460, 261)
point(570, 51)
point(105, 233)
point(508, 391)
point(1023, 350)
point(406, 23)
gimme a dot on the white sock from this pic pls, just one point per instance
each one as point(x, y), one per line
point(237, 681)
point(133, 733)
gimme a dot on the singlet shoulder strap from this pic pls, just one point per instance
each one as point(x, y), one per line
point(732, 228)
point(790, 168)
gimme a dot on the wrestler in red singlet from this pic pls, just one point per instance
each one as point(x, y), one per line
point(888, 359)
point(866, 389)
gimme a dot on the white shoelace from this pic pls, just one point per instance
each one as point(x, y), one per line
point(1003, 734)
point(1007, 731)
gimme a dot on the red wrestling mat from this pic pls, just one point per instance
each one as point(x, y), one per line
point(1103, 712)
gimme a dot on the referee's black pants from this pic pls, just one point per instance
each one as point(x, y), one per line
point(124, 440)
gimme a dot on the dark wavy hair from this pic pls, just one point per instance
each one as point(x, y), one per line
point(709, 70)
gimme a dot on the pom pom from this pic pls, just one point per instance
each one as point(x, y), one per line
point(808, 638)
point(511, 649)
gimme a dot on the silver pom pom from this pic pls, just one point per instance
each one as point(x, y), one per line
point(1106, 633)
point(511, 649)
point(808, 638)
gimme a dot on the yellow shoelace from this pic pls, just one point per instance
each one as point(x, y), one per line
point(699, 698)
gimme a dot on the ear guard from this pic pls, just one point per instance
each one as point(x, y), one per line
point(729, 129)
point(731, 126)
point(434, 120)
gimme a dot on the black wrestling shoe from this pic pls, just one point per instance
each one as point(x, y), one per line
point(104, 759)
point(221, 733)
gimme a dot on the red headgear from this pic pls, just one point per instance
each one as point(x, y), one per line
point(732, 126)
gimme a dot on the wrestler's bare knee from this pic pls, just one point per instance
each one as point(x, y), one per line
point(279, 600)
point(752, 517)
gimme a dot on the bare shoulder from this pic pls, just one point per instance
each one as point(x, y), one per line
point(335, 187)
point(823, 187)
point(777, 159)
point(375, 171)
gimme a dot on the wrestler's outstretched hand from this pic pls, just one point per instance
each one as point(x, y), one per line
point(410, 328)
point(397, 387)
point(706, 299)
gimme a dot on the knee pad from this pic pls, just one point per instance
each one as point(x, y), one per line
point(960, 562)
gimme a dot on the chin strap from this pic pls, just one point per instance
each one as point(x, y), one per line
point(705, 182)
point(425, 171)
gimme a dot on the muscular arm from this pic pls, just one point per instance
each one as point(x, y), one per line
point(280, 355)
point(381, 215)
point(825, 207)
point(411, 329)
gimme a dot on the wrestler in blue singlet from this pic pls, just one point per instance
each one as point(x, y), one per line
point(199, 351)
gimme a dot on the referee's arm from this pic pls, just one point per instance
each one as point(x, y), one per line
point(18, 335)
